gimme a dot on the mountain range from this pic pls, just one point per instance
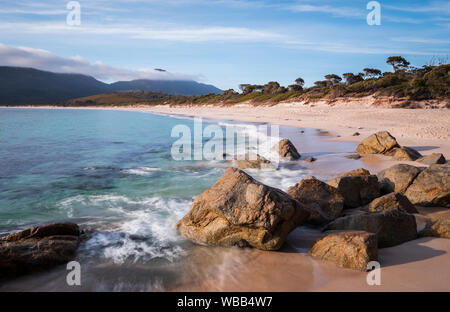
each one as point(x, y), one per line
point(29, 86)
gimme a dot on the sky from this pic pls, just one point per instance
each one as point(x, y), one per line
point(221, 42)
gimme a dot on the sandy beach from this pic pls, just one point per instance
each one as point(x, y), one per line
point(419, 265)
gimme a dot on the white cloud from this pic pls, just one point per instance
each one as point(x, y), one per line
point(334, 10)
point(45, 60)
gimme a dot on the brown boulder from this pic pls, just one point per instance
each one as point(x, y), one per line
point(38, 248)
point(431, 187)
point(392, 227)
point(357, 172)
point(352, 250)
point(397, 178)
point(240, 211)
point(378, 143)
point(435, 158)
point(357, 190)
point(323, 200)
point(438, 227)
point(404, 154)
point(251, 161)
point(286, 150)
point(392, 201)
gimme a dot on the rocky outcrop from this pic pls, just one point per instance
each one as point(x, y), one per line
point(352, 250)
point(435, 158)
point(251, 161)
point(38, 248)
point(240, 211)
point(404, 154)
point(392, 201)
point(378, 143)
point(397, 178)
point(392, 227)
point(438, 227)
point(322, 200)
point(357, 187)
point(431, 187)
point(287, 150)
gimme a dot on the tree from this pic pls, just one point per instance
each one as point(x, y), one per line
point(351, 78)
point(271, 87)
point(300, 82)
point(252, 88)
point(372, 72)
point(398, 63)
point(333, 79)
point(295, 88)
point(321, 83)
point(243, 86)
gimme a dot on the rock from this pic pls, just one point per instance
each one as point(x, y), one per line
point(322, 200)
point(431, 187)
point(287, 150)
point(404, 154)
point(310, 159)
point(438, 227)
point(397, 178)
point(240, 211)
point(38, 248)
point(356, 134)
point(378, 143)
point(353, 250)
point(357, 172)
point(353, 156)
point(392, 201)
point(392, 227)
point(251, 161)
point(435, 158)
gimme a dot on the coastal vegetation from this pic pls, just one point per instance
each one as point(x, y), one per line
point(429, 82)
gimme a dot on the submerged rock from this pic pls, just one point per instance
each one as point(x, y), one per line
point(287, 150)
point(404, 154)
point(353, 250)
point(378, 143)
point(392, 227)
point(38, 248)
point(310, 159)
point(240, 211)
point(251, 161)
point(431, 187)
point(435, 158)
point(353, 156)
point(392, 201)
point(398, 178)
point(323, 201)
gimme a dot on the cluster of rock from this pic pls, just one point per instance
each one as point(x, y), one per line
point(384, 143)
point(38, 248)
point(240, 211)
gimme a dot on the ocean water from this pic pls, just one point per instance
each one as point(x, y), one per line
point(111, 171)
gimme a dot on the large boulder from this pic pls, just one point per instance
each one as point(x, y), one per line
point(324, 201)
point(251, 161)
point(392, 201)
point(240, 211)
point(357, 190)
point(438, 227)
point(392, 227)
point(404, 154)
point(397, 178)
point(357, 172)
point(431, 187)
point(378, 143)
point(354, 249)
point(286, 150)
point(38, 248)
point(435, 158)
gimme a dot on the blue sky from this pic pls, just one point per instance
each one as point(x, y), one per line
point(222, 42)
